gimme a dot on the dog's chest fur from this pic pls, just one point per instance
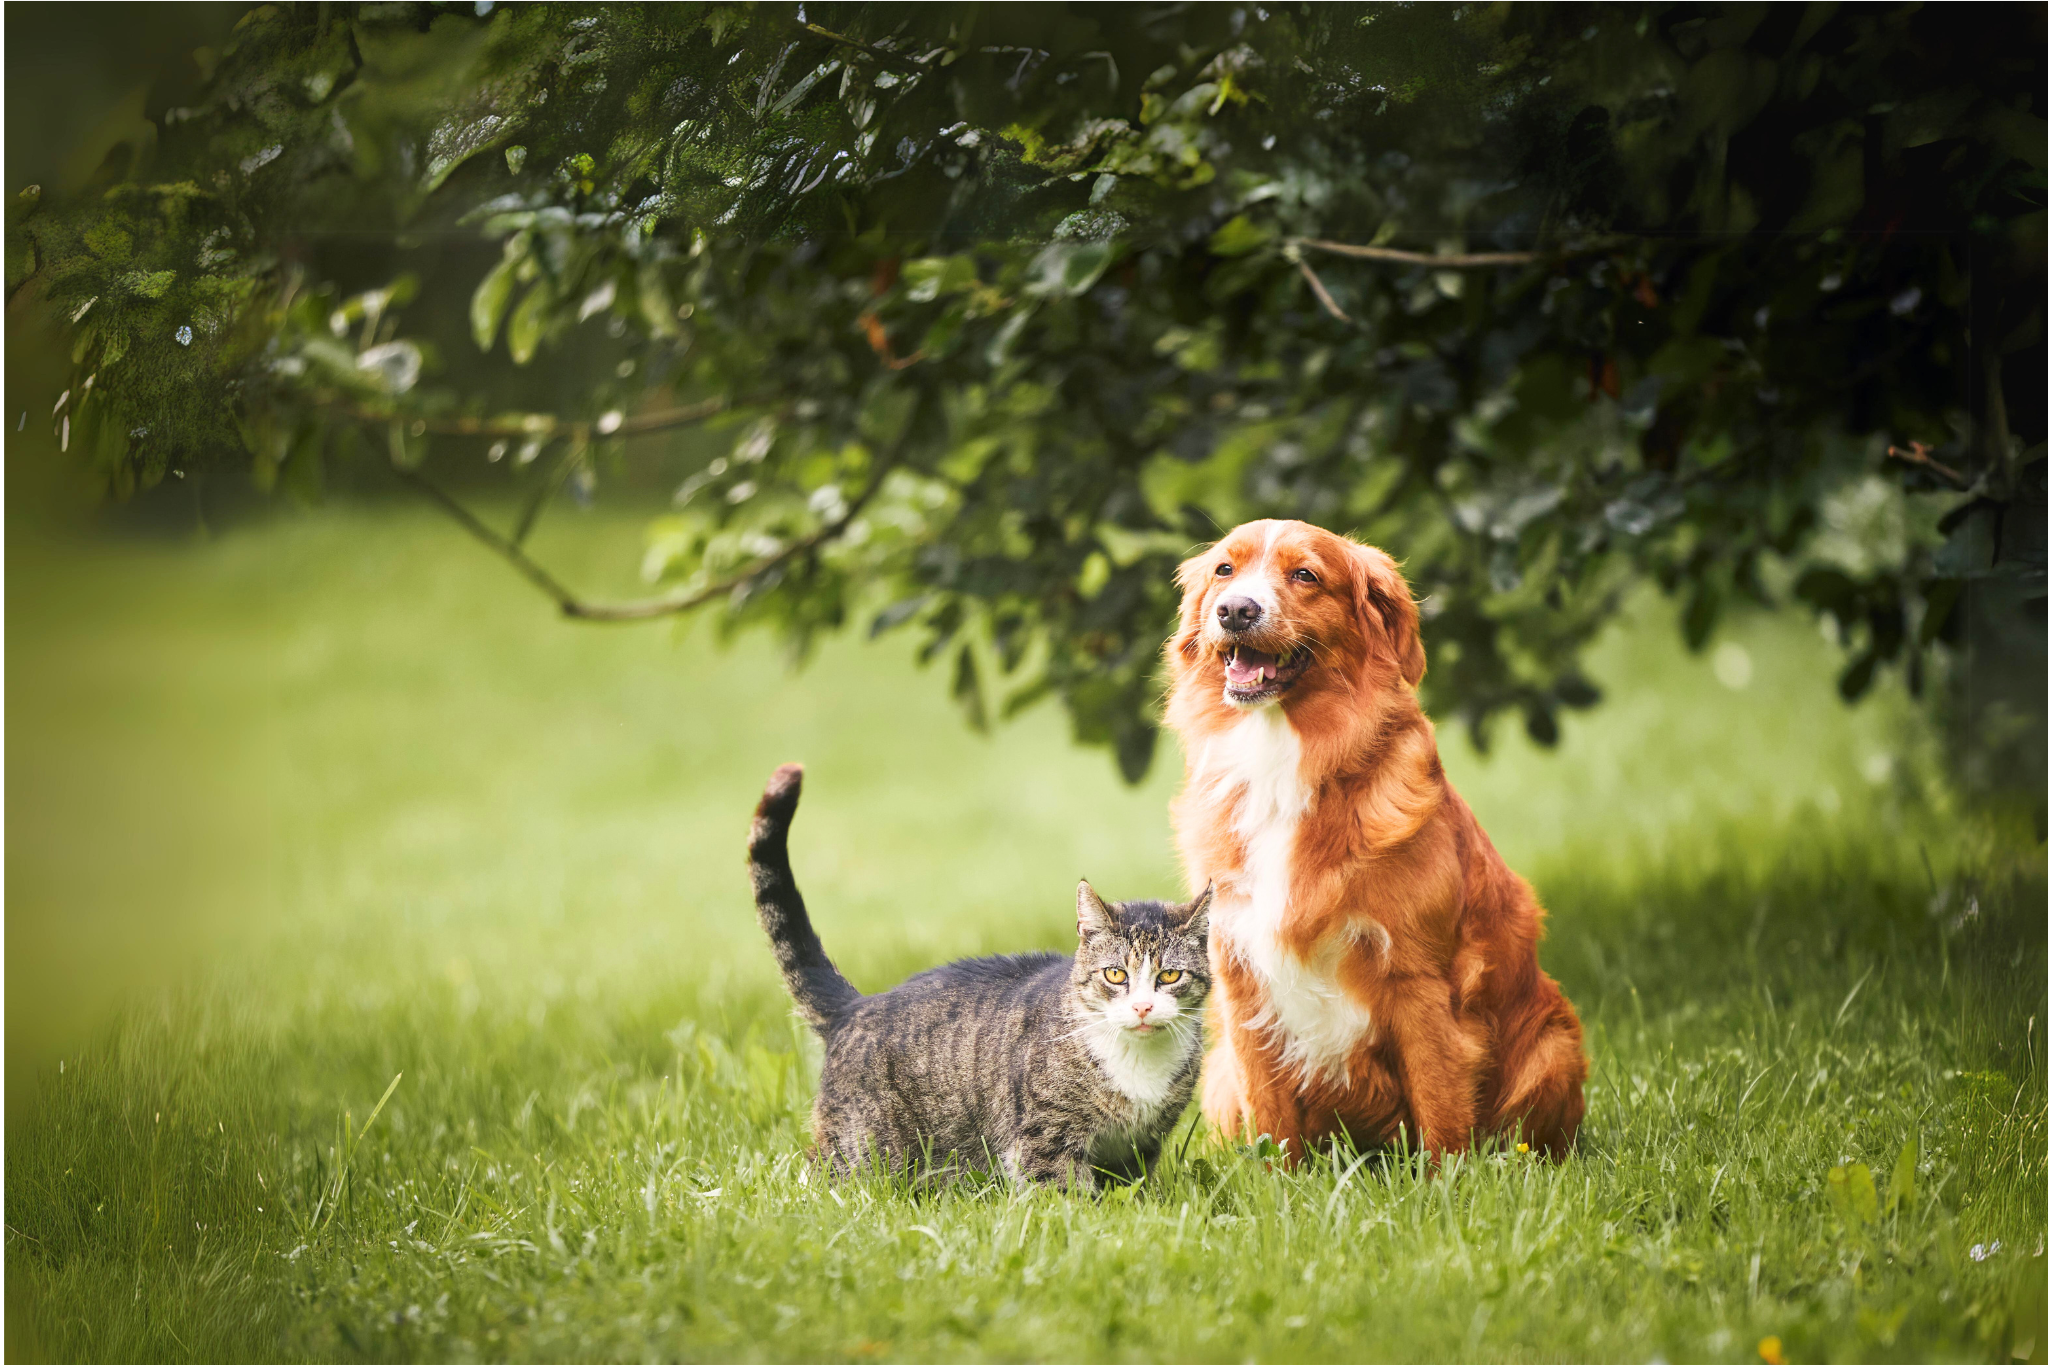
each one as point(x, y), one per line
point(1306, 1010)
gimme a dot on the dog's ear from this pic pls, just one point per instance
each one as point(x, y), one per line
point(1387, 609)
point(1190, 579)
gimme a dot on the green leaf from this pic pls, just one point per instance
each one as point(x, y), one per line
point(657, 309)
point(1853, 1194)
point(1069, 268)
point(896, 613)
point(1238, 237)
point(150, 284)
point(109, 241)
point(1899, 1193)
point(406, 453)
point(943, 623)
point(929, 277)
point(941, 337)
point(1135, 743)
point(1701, 614)
point(487, 305)
point(529, 322)
point(1858, 676)
point(967, 689)
point(999, 347)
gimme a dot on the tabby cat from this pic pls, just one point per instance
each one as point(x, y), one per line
point(1044, 1067)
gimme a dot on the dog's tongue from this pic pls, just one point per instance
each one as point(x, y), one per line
point(1248, 667)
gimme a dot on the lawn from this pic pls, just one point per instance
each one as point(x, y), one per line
point(329, 809)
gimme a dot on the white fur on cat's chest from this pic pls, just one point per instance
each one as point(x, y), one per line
point(1316, 1021)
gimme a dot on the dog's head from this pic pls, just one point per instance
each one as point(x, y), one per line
point(1281, 607)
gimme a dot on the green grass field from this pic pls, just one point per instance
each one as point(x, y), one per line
point(331, 800)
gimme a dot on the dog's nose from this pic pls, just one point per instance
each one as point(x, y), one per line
point(1238, 613)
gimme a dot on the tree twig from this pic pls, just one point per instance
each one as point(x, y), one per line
point(519, 559)
point(1916, 452)
point(547, 424)
point(545, 491)
point(881, 53)
point(1470, 260)
point(1315, 283)
point(648, 608)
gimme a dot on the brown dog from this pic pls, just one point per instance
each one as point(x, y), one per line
point(1375, 960)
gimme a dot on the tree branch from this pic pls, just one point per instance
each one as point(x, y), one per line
point(546, 424)
point(1471, 260)
point(519, 559)
point(544, 492)
point(1916, 452)
point(644, 609)
point(650, 607)
point(1315, 283)
point(881, 54)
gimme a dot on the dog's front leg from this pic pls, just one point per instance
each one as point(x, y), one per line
point(1440, 1063)
point(1224, 1107)
point(1272, 1104)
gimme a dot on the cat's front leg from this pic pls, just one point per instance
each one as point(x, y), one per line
point(1046, 1159)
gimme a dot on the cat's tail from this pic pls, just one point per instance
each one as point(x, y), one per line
point(821, 993)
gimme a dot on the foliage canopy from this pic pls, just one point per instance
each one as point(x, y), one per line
point(1000, 308)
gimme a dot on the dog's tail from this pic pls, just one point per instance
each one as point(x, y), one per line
point(821, 993)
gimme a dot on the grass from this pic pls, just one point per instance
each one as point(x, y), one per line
point(326, 810)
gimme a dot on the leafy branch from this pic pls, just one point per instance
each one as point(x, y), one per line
point(1096, 288)
point(1916, 452)
point(538, 424)
point(878, 54)
point(1468, 260)
point(1456, 260)
point(577, 608)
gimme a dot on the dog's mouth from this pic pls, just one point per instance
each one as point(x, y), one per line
point(1252, 675)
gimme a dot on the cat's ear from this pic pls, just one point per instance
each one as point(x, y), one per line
point(1195, 917)
point(1091, 916)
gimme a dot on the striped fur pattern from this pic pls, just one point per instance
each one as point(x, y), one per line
point(1038, 1066)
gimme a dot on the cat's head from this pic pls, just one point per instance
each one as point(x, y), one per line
point(1142, 966)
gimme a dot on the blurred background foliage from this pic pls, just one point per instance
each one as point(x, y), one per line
point(970, 320)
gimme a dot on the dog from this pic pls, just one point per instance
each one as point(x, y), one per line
point(1374, 958)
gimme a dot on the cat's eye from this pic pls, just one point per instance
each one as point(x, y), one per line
point(1224, 571)
point(1167, 978)
point(1303, 575)
point(1115, 976)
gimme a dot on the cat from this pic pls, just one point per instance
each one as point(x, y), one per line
point(1035, 1066)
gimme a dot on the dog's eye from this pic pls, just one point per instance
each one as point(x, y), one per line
point(1115, 976)
point(1167, 978)
point(1303, 576)
point(1224, 571)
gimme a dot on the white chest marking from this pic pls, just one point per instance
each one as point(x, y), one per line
point(1308, 1012)
point(1142, 1069)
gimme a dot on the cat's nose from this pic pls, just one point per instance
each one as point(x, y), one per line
point(1141, 1008)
